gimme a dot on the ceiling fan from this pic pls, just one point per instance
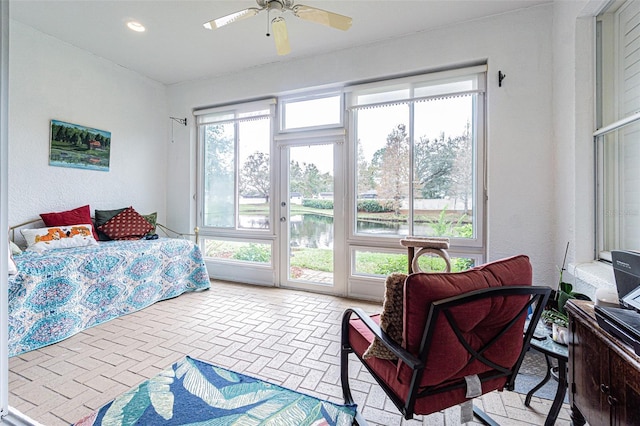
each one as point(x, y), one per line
point(278, 24)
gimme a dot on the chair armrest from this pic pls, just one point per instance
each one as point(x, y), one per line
point(402, 354)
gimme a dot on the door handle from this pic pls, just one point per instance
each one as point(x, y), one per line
point(283, 219)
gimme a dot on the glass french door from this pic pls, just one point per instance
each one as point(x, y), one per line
point(308, 225)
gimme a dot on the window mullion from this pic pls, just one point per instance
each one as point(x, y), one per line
point(410, 220)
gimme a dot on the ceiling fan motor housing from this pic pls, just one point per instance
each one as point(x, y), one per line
point(275, 4)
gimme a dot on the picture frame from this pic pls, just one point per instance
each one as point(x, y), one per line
point(78, 146)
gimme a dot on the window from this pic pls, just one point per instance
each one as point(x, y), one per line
point(419, 148)
point(236, 165)
point(317, 188)
point(320, 111)
point(617, 141)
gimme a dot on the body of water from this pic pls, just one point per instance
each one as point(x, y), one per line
point(316, 231)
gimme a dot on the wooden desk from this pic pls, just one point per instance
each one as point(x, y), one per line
point(604, 372)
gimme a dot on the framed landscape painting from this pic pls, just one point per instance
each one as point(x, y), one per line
point(73, 145)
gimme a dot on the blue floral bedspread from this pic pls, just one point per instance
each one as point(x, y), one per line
point(61, 292)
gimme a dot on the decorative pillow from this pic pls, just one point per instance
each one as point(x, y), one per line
point(11, 265)
point(127, 225)
point(152, 218)
point(391, 317)
point(76, 216)
point(103, 216)
point(15, 250)
point(42, 239)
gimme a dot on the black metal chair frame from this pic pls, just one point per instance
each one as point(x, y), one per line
point(538, 300)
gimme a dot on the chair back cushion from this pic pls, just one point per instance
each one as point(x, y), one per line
point(447, 358)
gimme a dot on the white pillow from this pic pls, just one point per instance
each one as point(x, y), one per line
point(42, 239)
point(15, 250)
point(11, 265)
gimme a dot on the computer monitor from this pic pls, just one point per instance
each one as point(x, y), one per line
point(626, 269)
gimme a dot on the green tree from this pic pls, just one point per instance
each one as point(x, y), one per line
point(295, 177)
point(219, 169)
point(462, 172)
point(77, 139)
point(434, 160)
point(366, 173)
point(255, 177)
point(219, 161)
point(312, 180)
point(394, 168)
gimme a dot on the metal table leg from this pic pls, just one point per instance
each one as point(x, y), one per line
point(546, 378)
point(560, 392)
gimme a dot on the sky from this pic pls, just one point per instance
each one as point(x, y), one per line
point(374, 125)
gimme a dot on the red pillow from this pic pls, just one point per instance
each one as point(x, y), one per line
point(127, 225)
point(78, 216)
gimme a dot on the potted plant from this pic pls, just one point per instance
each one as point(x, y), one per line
point(554, 315)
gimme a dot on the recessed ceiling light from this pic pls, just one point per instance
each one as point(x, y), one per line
point(136, 26)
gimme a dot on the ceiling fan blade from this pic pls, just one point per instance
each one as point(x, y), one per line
point(323, 17)
point(280, 35)
point(229, 19)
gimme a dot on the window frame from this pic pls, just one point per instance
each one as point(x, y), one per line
point(612, 117)
point(201, 121)
point(284, 101)
point(459, 246)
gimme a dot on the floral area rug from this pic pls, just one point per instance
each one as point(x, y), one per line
point(193, 392)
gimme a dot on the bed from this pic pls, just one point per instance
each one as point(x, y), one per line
point(60, 292)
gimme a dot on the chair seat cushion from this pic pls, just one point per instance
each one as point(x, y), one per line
point(360, 337)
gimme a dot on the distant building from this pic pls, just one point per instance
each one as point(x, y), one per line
point(370, 194)
point(95, 145)
point(326, 195)
point(295, 197)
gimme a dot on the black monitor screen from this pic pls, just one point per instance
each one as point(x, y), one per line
point(626, 269)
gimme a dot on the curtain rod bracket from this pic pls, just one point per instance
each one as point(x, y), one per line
point(500, 78)
point(182, 121)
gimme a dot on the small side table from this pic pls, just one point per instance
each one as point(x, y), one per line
point(433, 245)
point(551, 349)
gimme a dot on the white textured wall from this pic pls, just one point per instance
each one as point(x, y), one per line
point(48, 80)
point(521, 205)
point(573, 111)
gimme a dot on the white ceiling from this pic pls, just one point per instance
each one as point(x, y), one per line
point(176, 48)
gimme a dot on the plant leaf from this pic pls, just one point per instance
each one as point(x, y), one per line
point(234, 396)
point(160, 394)
point(128, 407)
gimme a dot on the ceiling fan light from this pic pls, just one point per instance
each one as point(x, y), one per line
point(279, 28)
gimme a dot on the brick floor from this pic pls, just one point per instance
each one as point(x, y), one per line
point(283, 336)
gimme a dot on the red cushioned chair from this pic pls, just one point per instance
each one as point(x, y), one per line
point(461, 324)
